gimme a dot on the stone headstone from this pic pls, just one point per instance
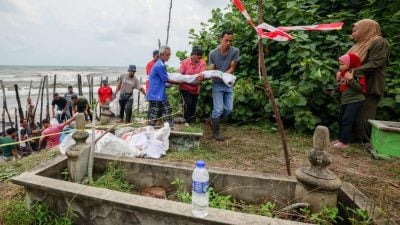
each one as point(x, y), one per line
point(78, 154)
point(316, 184)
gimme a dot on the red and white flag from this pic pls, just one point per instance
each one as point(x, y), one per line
point(278, 33)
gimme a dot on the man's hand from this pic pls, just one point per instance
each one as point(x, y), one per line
point(200, 77)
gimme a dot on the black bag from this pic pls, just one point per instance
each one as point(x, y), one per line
point(125, 96)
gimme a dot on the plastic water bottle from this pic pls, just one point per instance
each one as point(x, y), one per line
point(200, 190)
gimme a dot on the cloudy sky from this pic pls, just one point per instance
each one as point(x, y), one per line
point(95, 32)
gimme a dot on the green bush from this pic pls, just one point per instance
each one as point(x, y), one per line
point(301, 69)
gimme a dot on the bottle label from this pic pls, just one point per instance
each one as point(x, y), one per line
point(200, 187)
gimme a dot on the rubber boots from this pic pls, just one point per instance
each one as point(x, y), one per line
point(215, 129)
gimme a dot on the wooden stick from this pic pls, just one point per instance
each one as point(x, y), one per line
point(29, 95)
point(37, 102)
point(16, 118)
point(41, 103)
point(4, 122)
point(80, 85)
point(20, 111)
point(92, 88)
point(48, 99)
point(269, 92)
point(54, 84)
point(138, 98)
point(5, 103)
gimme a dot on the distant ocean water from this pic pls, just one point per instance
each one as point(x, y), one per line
point(66, 75)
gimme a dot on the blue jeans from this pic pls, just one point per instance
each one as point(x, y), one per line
point(222, 100)
point(347, 117)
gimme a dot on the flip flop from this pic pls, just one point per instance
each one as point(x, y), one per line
point(340, 145)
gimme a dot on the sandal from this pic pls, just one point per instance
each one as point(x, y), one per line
point(334, 142)
point(340, 145)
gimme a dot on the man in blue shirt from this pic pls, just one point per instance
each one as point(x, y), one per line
point(159, 106)
point(224, 58)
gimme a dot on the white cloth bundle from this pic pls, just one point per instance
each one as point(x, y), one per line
point(227, 78)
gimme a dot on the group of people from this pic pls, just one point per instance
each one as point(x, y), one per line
point(361, 79)
point(361, 83)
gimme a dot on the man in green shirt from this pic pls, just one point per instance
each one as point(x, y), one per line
point(9, 148)
point(81, 105)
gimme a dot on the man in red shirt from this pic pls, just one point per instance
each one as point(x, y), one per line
point(149, 66)
point(190, 92)
point(51, 133)
point(104, 93)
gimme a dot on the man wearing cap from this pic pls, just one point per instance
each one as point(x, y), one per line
point(159, 106)
point(104, 93)
point(61, 111)
point(149, 66)
point(128, 82)
point(190, 92)
point(224, 58)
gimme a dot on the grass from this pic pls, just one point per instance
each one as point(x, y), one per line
point(258, 148)
point(113, 179)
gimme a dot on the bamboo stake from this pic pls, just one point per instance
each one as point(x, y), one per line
point(88, 82)
point(37, 102)
point(169, 21)
point(29, 95)
point(5, 103)
point(80, 85)
point(16, 118)
point(48, 99)
point(41, 103)
point(20, 111)
point(54, 84)
point(4, 122)
point(92, 87)
point(269, 92)
point(138, 98)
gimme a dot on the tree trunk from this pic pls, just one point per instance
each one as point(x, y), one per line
point(269, 92)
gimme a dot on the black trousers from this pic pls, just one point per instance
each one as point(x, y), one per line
point(126, 106)
point(189, 105)
point(347, 117)
point(362, 128)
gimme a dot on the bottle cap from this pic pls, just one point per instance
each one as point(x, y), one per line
point(200, 164)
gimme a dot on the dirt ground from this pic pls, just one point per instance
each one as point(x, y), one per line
point(258, 149)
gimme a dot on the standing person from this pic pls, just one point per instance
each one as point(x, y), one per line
point(158, 102)
point(352, 90)
point(224, 58)
point(24, 132)
point(128, 82)
point(51, 133)
point(190, 92)
point(81, 105)
point(373, 51)
point(149, 66)
point(62, 106)
point(10, 150)
point(68, 96)
point(105, 93)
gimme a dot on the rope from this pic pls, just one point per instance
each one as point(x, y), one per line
point(67, 132)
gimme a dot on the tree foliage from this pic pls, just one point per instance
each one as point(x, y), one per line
point(301, 69)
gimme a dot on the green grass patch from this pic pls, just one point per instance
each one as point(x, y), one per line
point(17, 213)
point(14, 168)
point(113, 179)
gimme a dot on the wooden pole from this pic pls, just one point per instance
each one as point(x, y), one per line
point(20, 111)
point(32, 125)
point(4, 122)
point(138, 98)
point(269, 92)
point(80, 85)
point(54, 84)
point(29, 96)
point(92, 89)
point(169, 21)
point(41, 103)
point(16, 117)
point(5, 103)
point(48, 99)
point(88, 82)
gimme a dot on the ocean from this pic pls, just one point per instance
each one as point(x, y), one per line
point(66, 75)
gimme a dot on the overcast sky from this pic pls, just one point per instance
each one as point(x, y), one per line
point(95, 32)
